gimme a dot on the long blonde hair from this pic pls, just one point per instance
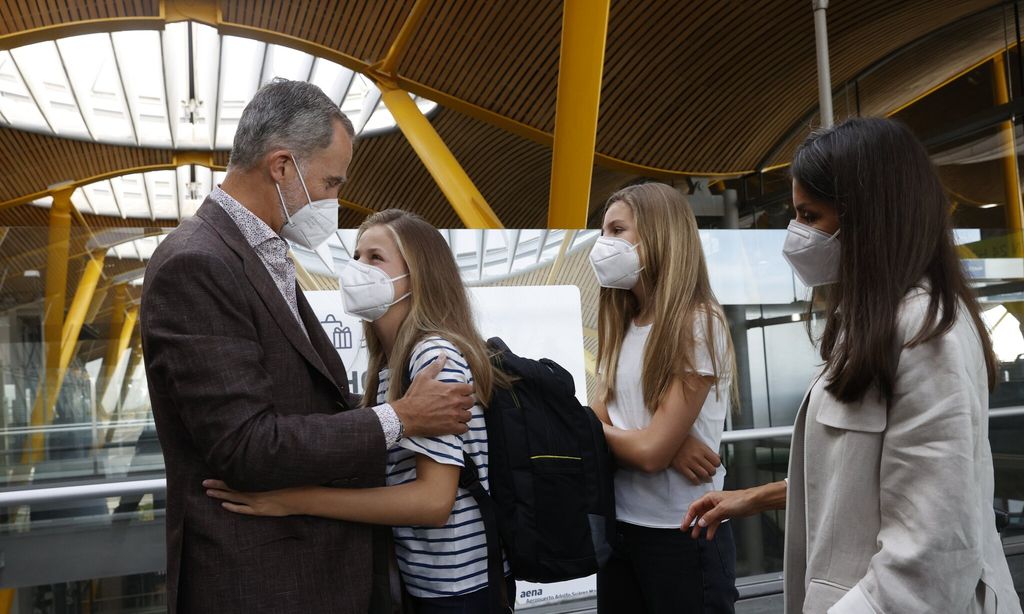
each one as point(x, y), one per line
point(439, 305)
point(675, 278)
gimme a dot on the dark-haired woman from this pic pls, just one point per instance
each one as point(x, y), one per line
point(890, 487)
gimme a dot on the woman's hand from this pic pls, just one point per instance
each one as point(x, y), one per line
point(271, 503)
point(716, 507)
point(696, 461)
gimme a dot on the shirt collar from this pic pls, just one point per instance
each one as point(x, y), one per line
point(255, 230)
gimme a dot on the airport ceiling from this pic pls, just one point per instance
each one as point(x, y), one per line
point(704, 88)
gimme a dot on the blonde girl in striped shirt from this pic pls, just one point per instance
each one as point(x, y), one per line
point(439, 534)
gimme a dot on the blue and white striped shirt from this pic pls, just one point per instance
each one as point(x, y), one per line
point(448, 560)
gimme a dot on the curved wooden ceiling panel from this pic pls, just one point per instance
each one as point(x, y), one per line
point(363, 29)
point(701, 86)
point(512, 173)
point(696, 86)
point(32, 161)
point(907, 75)
point(22, 15)
point(706, 90)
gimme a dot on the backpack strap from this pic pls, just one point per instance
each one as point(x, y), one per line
point(469, 479)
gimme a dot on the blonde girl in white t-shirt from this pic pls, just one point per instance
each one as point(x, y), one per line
point(665, 365)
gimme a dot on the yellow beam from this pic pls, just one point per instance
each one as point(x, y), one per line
point(62, 344)
point(6, 600)
point(305, 279)
point(461, 105)
point(97, 302)
point(131, 318)
point(580, 67)
point(115, 347)
point(144, 233)
point(397, 51)
point(134, 357)
point(1016, 309)
point(203, 11)
point(180, 158)
point(556, 266)
point(202, 14)
point(458, 188)
point(931, 90)
point(79, 309)
point(348, 204)
point(590, 362)
point(928, 92)
point(77, 28)
point(1011, 176)
point(199, 158)
point(58, 245)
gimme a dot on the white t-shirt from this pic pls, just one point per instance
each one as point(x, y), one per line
point(659, 500)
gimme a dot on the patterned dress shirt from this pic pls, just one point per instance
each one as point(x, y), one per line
point(273, 252)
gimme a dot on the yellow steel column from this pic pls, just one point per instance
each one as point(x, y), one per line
point(57, 247)
point(131, 317)
point(97, 301)
point(134, 357)
point(115, 347)
point(580, 66)
point(458, 188)
point(1011, 175)
point(6, 600)
point(306, 280)
point(556, 266)
point(80, 304)
point(46, 400)
point(390, 63)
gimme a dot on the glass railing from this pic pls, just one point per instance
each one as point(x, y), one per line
point(81, 471)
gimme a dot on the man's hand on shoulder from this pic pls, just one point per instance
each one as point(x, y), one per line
point(431, 408)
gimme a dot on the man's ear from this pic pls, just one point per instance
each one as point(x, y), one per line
point(277, 164)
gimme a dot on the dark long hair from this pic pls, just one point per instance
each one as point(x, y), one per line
point(895, 231)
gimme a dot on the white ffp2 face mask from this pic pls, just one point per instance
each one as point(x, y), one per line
point(813, 254)
point(366, 291)
point(616, 263)
point(312, 224)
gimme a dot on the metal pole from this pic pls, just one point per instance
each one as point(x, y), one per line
point(821, 48)
point(743, 464)
point(731, 209)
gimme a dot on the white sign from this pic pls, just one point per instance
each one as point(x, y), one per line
point(534, 321)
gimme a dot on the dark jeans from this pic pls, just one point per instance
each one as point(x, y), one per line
point(477, 602)
point(665, 571)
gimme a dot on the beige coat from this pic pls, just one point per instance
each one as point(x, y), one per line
point(889, 506)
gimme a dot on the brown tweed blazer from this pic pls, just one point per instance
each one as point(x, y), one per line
point(240, 393)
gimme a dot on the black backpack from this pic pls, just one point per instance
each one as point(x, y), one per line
point(550, 472)
point(551, 502)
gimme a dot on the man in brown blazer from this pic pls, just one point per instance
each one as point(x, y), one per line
point(246, 387)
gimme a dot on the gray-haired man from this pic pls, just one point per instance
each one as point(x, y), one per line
point(247, 388)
